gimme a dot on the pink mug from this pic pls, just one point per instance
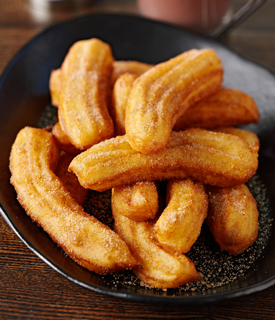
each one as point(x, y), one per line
point(211, 17)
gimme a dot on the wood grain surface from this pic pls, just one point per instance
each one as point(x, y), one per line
point(29, 288)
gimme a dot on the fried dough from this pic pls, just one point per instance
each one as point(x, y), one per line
point(134, 67)
point(224, 108)
point(157, 267)
point(213, 158)
point(179, 225)
point(120, 94)
point(163, 93)
point(119, 68)
point(85, 76)
point(248, 136)
point(138, 201)
point(62, 140)
point(34, 157)
point(69, 179)
point(55, 86)
point(233, 218)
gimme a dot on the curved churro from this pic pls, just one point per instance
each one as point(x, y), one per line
point(232, 217)
point(55, 86)
point(163, 93)
point(138, 201)
point(69, 179)
point(62, 140)
point(213, 158)
point(134, 67)
point(250, 137)
point(34, 157)
point(119, 68)
point(157, 267)
point(85, 75)
point(179, 225)
point(224, 108)
point(120, 94)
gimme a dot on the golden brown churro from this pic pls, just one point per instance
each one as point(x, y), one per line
point(233, 217)
point(157, 267)
point(85, 76)
point(138, 201)
point(120, 94)
point(119, 68)
point(213, 158)
point(224, 108)
point(248, 136)
point(134, 67)
point(34, 157)
point(162, 94)
point(55, 86)
point(179, 225)
point(62, 140)
point(69, 179)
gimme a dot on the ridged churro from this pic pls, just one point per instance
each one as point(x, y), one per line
point(224, 108)
point(120, 94)
point(55, 86)
point(233, 217)
point(33, 160)
point(162, 94)
point(69, 179)
point(134, 67)
point(213, 158)
point(62, 140)
point(250, 137)
point(138, 201)
point(119, 68)
point(179, 225)
point(157, 267)
point(85, 74)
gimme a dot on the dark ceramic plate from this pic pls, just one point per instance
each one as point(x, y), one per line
point(24, 94)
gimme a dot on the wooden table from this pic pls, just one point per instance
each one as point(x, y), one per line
point(30, 289)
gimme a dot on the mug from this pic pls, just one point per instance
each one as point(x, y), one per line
point(211, 17)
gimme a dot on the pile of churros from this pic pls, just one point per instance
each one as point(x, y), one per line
point(129, 127)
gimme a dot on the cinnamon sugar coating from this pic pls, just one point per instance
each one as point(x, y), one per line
point(138, 201)
point(33, 160)
point(179, 225)
point(83, 112)
point(158, 267)
point(233, 218)
point(162, 94)
point(224, 108)
point(213, 158)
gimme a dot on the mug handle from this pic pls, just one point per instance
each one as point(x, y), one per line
point(242, 14)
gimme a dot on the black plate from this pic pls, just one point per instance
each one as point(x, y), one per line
point(24, 93)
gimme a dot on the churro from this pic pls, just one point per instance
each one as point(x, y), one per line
point(213, 158)
point(179, 225)
point(33, 160)
point(163, 93)
point(138, 201)
point(232, 218)
point(85, 74)
point(157, 267)
point(69, 179)
point(62, 140)
point(224, 108)
point(120, 94)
